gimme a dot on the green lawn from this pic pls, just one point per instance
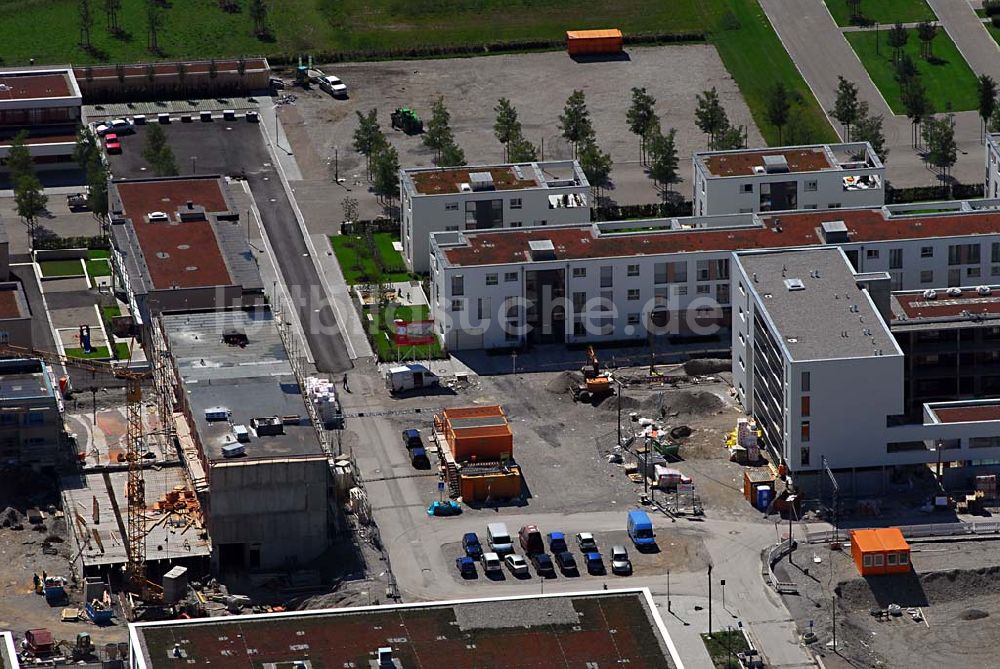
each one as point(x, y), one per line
point(121, 351)
point(948, 79)
point(883, 11)
point(111, 312)
point(384, 342)
point(96, 268)
point(54, 268)
point(723, 647)
point(99, 353)
point(359, 265)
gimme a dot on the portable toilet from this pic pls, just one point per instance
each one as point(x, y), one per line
point(764, 495)
point(880, 551)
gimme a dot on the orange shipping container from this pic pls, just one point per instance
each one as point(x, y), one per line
point(478, 434)
point(491, 486)
point(880, 551)
point(593, 42)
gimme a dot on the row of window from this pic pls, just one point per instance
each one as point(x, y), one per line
point(891, 559)
point(809, 186)
point(958, 254)
point(513, 203)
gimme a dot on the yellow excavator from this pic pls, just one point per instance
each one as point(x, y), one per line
point(596, 384)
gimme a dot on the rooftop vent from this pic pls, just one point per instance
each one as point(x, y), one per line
point(954, 291)
point(267, 426)
point(775, 164)
point(235, 337)
point(794, 284)
point(834, 232)
point(481, 181)
point(542, 249)
point(464, 188)
point(983, 290)
point(930, 294)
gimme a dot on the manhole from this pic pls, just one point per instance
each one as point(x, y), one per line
point(191, 268)
point(163, 255)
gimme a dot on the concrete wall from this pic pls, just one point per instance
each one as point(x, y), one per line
point(280, 504)
point(992, 181)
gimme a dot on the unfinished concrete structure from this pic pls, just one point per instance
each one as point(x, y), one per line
point(31, 427)
point(248, 443)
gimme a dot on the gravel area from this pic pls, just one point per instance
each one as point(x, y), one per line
point(518, 613)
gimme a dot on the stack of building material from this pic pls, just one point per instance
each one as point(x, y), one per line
point(746, 437)
point(323, 396)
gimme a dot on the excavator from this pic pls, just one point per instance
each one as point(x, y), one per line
point(596, 384)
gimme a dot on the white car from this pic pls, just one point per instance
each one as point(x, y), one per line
point(491, 563)
point(333, 85)
point(158, 217)
point(119, 126)
point(517, 564)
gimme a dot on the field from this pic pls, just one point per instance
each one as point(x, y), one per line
point(358, 263)
point(948, 78)
point(884, 11)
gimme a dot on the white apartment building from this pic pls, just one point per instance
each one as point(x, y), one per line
point(992, 182)
point(616, 281)
point(823, 176)
point(487, 197)
point(815, 364)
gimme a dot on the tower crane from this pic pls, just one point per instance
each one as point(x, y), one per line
point(135, 542)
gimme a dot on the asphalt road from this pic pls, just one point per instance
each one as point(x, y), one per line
point(237, 148)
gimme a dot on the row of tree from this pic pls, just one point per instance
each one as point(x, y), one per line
point(381, 158)
point(29, 195)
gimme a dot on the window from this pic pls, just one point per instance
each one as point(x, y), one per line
point(804, 431)
point(804, 456)
point(928, 251)
point(890, 559)
point(578, 329)
point(516, 224)
point(35, 418)
point(963, 254)
point(972, 272)
point(660, 272)
point(833, 205)
point(457, 285)
point(878, 559)
point(703, 269)
point(682, 290)
point(579, 302)
point(805, 405)
point(510, 277)
point(540, 222)
point(482, 308)
point(895, 258)
point(927, 276)
point(607, 276)
point(954, 277)
point(579, 272)
point(867, 560)
point(704, 289)
point(458, 305)
point(492, 279)
point(633, 270)
point(633, 319)
point(633, 294)
point(995, 252)
point(811, 206)
point(515, 203)
point(904, 558)
point(871, 254)
point(451, 206)
point(746, 188)
point(810, 186)
point(806, 382)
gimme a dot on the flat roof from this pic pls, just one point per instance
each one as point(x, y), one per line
point(742, 163)
point(24, 379)
point(939, 306)
point(450, 180)
point(175, 253)
point(591, 34)
point(33, 140)
point(34, 85)
point(878, 539)
point(192, 67)
point(974, 412)
point(252, 381)
point(593, 629)
point(745, 231)
point(812, 312)
point(13, 303)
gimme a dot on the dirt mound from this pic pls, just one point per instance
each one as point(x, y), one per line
point(704, 366)
point(913, 590)
point(628, 404)
point(10, 517)
point(973, 614)
point(686, 403)
point(563, 382)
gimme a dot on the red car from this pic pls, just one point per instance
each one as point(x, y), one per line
point(112, 144)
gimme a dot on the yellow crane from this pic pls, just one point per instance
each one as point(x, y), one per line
point(135, 542)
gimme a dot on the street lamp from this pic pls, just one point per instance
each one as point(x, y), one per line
point(876, 38)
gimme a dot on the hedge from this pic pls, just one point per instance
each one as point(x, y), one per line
point(633, 211)
point(59, 243)
point(931, 193)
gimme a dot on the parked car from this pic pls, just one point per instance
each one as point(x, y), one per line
point(112, 144)
point(585, 542)
point(491, 563)
point(419, 459)
point(415, 446)
point(543, 564)
point(466, 566)
point(120, 126)
point(471, 545)
point(446, 508)
point(620, 564)
point(517, 564)
point(411, 438)
point(253, 117)
point(334, 86)
point(595, 564)
point(557, 543)
point(77, 201)
point(531, 540)
point(498, 538)
point(566, 562)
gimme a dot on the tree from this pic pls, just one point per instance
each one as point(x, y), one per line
point(97, 188)
point(663, 161)
point(154, 21)
point(30, 199)
point(507, 125)
point(386, 172)
point(439, 134)
point(729, 137)
point(906, 72)
point(86, 23)
point(845, 107)
point(898, 37)
point(520, 150)
point(86, 148)
point(575, 123)
point(452, 155)
point(939, 136)
point(854, 7)
point(111, 11)
point(19, 157)
point(709, 115)
point(918, 108)
point(869, 129)
point(987, 90)
point(926, 32)
point(596, 165)
point(641, 118)
point(258, 12)
point(368, 137)
point(778, 106)
point(158, 153)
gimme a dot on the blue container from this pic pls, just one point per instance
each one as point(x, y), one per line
point(764, 495)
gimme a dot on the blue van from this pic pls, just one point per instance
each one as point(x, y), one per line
point(640, 529)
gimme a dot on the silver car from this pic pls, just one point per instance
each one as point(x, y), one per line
point(620, 564)
point(517, 564)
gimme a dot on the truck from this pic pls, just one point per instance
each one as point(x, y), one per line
point(409, 377)
point(640, 529)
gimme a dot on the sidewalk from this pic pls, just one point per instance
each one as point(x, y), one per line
point(352, 328)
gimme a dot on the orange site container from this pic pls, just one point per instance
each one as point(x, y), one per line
point(592, 42)
point(477, 434)
point(498, 484)
point(880, 551)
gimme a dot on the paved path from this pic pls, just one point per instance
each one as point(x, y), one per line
point(969, 34)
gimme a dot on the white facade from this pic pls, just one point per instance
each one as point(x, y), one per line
point(680, 267)
point(827, 176)
point(992, 183)
point(487, 196)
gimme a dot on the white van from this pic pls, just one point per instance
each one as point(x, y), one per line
point(499, 538)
